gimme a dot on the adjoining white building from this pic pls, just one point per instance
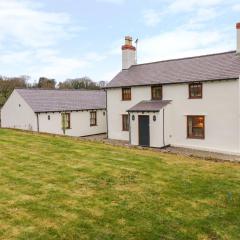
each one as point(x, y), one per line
point(190, 102)
point(70, 112)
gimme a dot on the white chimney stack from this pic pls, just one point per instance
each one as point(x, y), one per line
point(128, 53)
point(238, 37)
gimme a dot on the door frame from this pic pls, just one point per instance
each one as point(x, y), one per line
point(139, 116)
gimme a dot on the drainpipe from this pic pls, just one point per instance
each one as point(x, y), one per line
point(106, 112)
point(163, 129)
point(129, 124)
point(37, 122)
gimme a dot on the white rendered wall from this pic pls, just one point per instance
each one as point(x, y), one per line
point(80, 123)
point(18, 116)
point(157, 137)
point(220, 105)
point(116, 107)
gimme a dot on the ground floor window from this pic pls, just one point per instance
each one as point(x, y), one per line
point(66, 120)
point(196, 127)
point(125, 122)
point(93, 118)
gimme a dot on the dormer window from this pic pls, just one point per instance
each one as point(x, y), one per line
point(157, 92)
point(126, 94)
point(195, 90)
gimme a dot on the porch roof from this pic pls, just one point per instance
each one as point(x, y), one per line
point(149, 106)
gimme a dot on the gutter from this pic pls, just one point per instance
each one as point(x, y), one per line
point(171, 83)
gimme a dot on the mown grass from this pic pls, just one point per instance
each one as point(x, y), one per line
point(62, 188)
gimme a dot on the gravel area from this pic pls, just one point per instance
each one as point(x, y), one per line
point(213, 156)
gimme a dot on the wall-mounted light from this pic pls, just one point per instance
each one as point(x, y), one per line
point(48, 117)
point(133, 117)
point(154, 118)
point(104, 113)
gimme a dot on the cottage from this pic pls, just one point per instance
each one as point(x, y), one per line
point(70, 112)
point(189, 102)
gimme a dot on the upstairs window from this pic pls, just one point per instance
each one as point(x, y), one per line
point(125, 122)
point(126, 94)
point(93, 118)
point(195, 90)
point(196, 127)
point(157, 92)
point(66, 121)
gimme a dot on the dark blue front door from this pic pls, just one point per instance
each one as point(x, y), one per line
point(143, 130)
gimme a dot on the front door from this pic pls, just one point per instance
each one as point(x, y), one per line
point(143, 130)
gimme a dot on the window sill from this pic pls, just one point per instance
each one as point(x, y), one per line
point(197, 138)
point(125, 130)
point(93, 125)
point(194, 97)
point(125, 100)
point(156, 99)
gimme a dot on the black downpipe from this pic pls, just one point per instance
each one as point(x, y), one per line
point(163, 129)
point(106, 111)
point(129, 124)
point(37, 122)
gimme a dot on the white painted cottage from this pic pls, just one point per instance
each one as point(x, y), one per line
point(70, 112)
point(190, 102)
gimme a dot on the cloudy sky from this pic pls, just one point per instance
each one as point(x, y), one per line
point(72, 38)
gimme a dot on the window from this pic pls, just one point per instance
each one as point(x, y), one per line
point(126, 94)
point(66, 120)
point(157, 92)
point(125, 122)
point(93, 118)
point(195, 90)
point(196, 127)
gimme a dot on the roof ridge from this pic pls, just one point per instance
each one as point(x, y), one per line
point(184, 58)
point(51, 89)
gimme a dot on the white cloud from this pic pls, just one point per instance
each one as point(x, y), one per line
point(151, 17)
point(24, 23)
point(201, 16)
point(236, 7)
point(188, 5)
point(30, 36)
point(112, 1)
point(182, 43)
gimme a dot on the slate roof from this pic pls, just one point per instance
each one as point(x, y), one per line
point(221, 66)
point(63, 100)
point(149, 106)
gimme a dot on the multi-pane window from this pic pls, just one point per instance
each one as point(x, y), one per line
point(125, 122)
point(195, 90)
point(126, 94)
point(66, 120)
point(93, 118)
point(157, 92)
point(196, 127)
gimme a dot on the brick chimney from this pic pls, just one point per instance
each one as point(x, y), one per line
point(238, 37)
point(128, 53)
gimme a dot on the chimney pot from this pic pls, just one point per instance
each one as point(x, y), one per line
point(238, 25)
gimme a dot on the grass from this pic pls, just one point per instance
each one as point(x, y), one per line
point(63, 188)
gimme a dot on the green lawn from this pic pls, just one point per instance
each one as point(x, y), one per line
point(63, 188)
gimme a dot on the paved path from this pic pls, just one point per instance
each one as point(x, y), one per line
point(213, 156)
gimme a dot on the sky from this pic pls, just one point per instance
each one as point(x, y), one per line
point(64, 39)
